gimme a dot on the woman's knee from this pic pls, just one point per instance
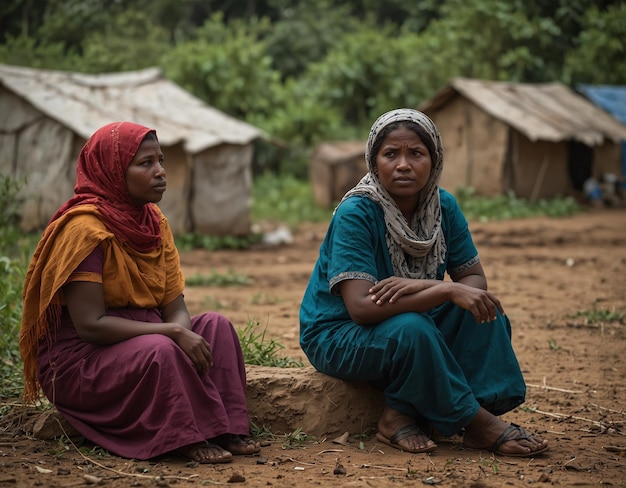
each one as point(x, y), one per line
point(157, 348)
point(211, 321)
point(217, 330)
point(408, 328)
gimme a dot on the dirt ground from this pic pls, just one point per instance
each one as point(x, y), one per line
point(549, 274)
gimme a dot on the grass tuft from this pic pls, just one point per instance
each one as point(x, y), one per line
point(261, 351)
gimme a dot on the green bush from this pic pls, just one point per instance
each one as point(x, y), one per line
point(12, 269)
point(285, 199)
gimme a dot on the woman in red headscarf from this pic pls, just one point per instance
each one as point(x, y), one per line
point(105, 330)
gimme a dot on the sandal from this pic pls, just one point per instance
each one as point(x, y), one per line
point(402, 433)
point(514, 432)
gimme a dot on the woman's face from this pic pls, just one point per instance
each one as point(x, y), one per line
point(403, 163)
point(145, 175)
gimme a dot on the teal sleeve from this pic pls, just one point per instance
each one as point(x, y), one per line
point(355, 243)
point(462, 253)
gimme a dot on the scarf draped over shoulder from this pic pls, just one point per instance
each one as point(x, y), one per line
point(417, 248)
point(141, 263)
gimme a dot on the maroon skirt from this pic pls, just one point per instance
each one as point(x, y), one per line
point(143, 397)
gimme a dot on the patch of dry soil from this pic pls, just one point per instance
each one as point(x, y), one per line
point(545, 271)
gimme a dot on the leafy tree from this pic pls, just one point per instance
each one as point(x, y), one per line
point(228, 67)
point(304, 34)
point(415, 15)
point(20, 17)
point(70, 21)
point(491, 39)
point(369, 72)
point(128, 42)
point(600, 53)
point(28, 51)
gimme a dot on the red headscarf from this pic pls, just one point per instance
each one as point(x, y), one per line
point(100, 180)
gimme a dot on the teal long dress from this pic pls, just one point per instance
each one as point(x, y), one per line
point(439, 366)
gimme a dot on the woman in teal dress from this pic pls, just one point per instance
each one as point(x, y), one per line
point(377, 308)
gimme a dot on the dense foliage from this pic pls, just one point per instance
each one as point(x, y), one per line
point(321, 69)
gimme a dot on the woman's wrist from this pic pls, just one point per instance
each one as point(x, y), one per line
point(449, 287)
point(174, 331)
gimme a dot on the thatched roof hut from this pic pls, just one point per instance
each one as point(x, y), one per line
point(46, 117)
point(538, 140)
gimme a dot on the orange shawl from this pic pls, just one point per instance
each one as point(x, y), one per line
point(130, 278)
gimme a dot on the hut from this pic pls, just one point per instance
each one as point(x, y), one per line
point(46, 117)
point(334, 168)
point(536, 140)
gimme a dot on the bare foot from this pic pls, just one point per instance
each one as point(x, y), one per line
point(205, 453)
point(237, 444)
point(488, 432)
point(390, 423)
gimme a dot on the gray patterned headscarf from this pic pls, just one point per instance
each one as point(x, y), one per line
point(417, 249)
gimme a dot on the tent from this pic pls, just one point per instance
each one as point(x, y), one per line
point(537, 140)
point(46, 117)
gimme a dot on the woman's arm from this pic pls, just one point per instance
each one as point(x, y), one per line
point(474, 276)
point(85, 303)
point(176, 311)
point(370, 304)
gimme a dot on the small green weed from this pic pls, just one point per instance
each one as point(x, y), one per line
point(365, 434)
point(264, 299)
point(596, 316)
point(494, 467)
point(63, 445)
point(553, 345)
point(261, 433)
point(231, 278)
point(95, 452)
point(297, 438)
point(213, 303)
point(258, 350)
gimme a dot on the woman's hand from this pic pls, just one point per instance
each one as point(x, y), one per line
point(196, 348)
point(481, 303)
point(392, 288)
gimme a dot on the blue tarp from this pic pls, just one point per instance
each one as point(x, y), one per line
point(611, 98)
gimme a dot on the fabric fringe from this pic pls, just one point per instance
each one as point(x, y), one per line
point(29, 347)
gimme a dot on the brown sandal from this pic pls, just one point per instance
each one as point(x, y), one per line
point(513, 432)
point(403, 433)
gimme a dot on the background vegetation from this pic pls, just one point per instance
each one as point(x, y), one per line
point(320, 69)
